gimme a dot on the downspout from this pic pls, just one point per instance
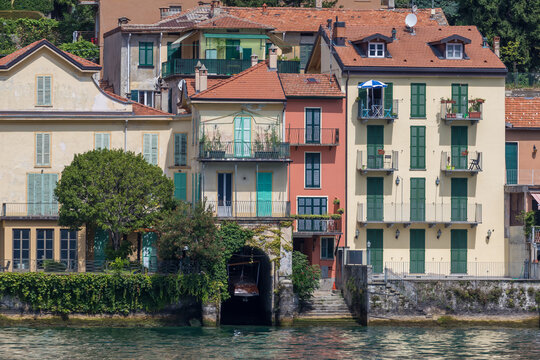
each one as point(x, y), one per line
point(346, 157)
point(159, 54)
point(128, 82)
point(125, 134)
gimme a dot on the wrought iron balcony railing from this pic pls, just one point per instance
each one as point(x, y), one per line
point(220, 66)
point(522, 176)
point(313, 137)
point(318, 225)
point(378, 111)
point(242, 151)
point(377, 160)
point(450, 112)
point(459, 162)
point(34, 210)
point(250, 209)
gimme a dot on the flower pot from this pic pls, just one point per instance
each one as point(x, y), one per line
point(464, 153)
point(380, 151)
point(448, 167)
point(450, 116)
point(474, 114)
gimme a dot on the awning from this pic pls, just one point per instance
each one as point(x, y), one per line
point(236, 36)
point(285, 47)
point(536, 196)
point(176, 43)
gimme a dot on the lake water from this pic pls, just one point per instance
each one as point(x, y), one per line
point(266, 342)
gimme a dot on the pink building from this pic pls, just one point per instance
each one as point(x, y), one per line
point(315, 128)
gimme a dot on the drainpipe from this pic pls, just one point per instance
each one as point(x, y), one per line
point(346, 159)
point(125, 134)
point(159, 52)
point(128, 82)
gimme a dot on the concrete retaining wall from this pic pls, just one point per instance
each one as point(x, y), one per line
point(355, 291)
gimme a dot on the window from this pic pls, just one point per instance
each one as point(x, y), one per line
point(418, 100)
point(313, 170)
point(41, 200)
point(102, 141)
point(150, 148)
point(312, 206)
point(68, 248)
point(145, 97)
point(180, 149)
point(418, 147)
point(43, 91)
point(376, 50)
point(146, 54)
point(454, 51)
point(418, 199)
point(327, 248)
point(21, 248)
point(43, 149)
point(44, 245)
point(313, 126)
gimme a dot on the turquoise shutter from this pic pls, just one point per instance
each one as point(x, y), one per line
point(154, 138)
point(180, 149)
point(388, 96)
point(135, 95)
point(47, 90)
point(31, 198)
point(39, 149)
point(177, 160)
point(180, 186)
point(147, 142)
point(46, 149)
point(150, 54)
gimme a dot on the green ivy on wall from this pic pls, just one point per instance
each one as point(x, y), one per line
point(15, 34)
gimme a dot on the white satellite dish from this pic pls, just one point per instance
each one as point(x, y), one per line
point(411, 20)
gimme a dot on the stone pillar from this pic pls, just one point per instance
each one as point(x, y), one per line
point(286, 307)
point(210, 314)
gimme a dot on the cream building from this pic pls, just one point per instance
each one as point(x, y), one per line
point(425, 174)
point(51, 108)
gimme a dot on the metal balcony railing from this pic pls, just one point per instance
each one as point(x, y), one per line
point(458, 211)
point(535, 235)
point(237, 150)
point(313, 137)
point(378, 111)
point(34, 210)
point(220, 66)
point(318, 225)
point(250, 209)
point(461, 162)
point(379, 160)
point(522, 177)
point(450, 112)
point(443, 269)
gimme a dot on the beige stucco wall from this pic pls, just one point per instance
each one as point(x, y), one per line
point(486, 188)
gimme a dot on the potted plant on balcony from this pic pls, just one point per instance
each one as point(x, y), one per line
point(380, 151)
point(216, 150)
point(258, 146)
point(449, 112)
point(271, 144)
point(474, 109)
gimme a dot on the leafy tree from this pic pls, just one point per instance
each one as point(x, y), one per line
point(450, 7)
point(305, 277)
point(112, 190)
point(82, 48)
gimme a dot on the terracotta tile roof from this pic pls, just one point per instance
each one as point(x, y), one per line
point(310, 85)
point(308, 19)
point(412, 51)
point(256, 83)
point(190, 84)
point(226, 21)
point(16, 56)
point(138, 108)
point(523, 111)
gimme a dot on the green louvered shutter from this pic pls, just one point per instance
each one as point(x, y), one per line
point(418, 100)
point(362, 100)
point(458, 251)
point(40, 90)
point(418, 199)
point(43, 144)
point(50, 204)
point(47, 91)
point(418, 147)
point(375, 199)
point(43, 90)
point(460, 96)
point(375, 142)
point(154, 150)
point(147, 144)
point(135, 95)
point(180, 149)
point(39, 149)
point(459, 141)
point(180, 186)
point(459, 199)
point(417, 251)
point(31, 198)
point(388, 97)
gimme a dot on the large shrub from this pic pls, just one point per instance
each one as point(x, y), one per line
point(82, 48)
point(17, 33)
point(305, 277)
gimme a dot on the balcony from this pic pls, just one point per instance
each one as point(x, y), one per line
point(467, 162)
point(377, 112)
point(250, 209)
point(322, 137)
point(454, 213)
point(220, 66)
point(244, 151)
point(309, 226)
point(451, 113)
point(382, 161)
point(30, 210)
point(522, 177)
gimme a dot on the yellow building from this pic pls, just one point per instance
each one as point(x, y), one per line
point(425, 143)
point(51, 109)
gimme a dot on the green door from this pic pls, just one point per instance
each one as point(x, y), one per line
point(101, 238)
point(232, 51)
point(242, 136)
point(149, 251)
point(180, 186)
point(375, 238)
point(375, 198)
point(458, 255)
point(375, 142)
point(418, 199)
point(418, 251)
point(461, 98)
point(264, 194)
point(459, 146)
point(246, 53)
point(459, 199)
point(511, 155)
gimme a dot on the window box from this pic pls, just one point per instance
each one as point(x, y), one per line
point(380, 151)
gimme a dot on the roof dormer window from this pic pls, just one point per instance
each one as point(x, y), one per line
point(376, 49)
point(454, 51)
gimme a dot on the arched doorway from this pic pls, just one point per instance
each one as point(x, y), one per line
point(250, 289)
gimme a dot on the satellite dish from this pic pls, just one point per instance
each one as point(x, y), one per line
point(411, 20)
point(414, 8)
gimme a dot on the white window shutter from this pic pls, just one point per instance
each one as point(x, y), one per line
point(154, 149)
point(40, 89)
point(39, 149)
point(47, 91)
point(146, 147)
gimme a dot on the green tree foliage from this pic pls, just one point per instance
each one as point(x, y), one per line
point(305, 277)
point(74, 17)
point(112, 190)
point(82, 48)
point(18, 33)
point(528, 218)
point(450, 7)
point(44, 6)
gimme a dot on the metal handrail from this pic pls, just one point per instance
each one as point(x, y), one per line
point(303, 136)
point(38, 209)
point(244, 150)
point(249, 208)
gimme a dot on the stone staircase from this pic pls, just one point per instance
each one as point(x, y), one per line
point(326, 305)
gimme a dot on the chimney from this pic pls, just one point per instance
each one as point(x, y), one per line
point(264, 9)
point(339, 33)
point(272, 63)
point(393, 33)
point(497, 46)
point(197, 77)
point(254, 59)
point(203, 78)
point(123, 20)
point(318, 4)
point(329, 23)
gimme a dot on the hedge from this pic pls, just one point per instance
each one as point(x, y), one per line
point(98, 293)
point(44, 6)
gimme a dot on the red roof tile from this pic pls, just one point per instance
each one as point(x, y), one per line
point(138, 108)
point(413, 51)
point(310, 85)
point(190, 84)
point(523, 112)
point(256, 83)
point(226, 21)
